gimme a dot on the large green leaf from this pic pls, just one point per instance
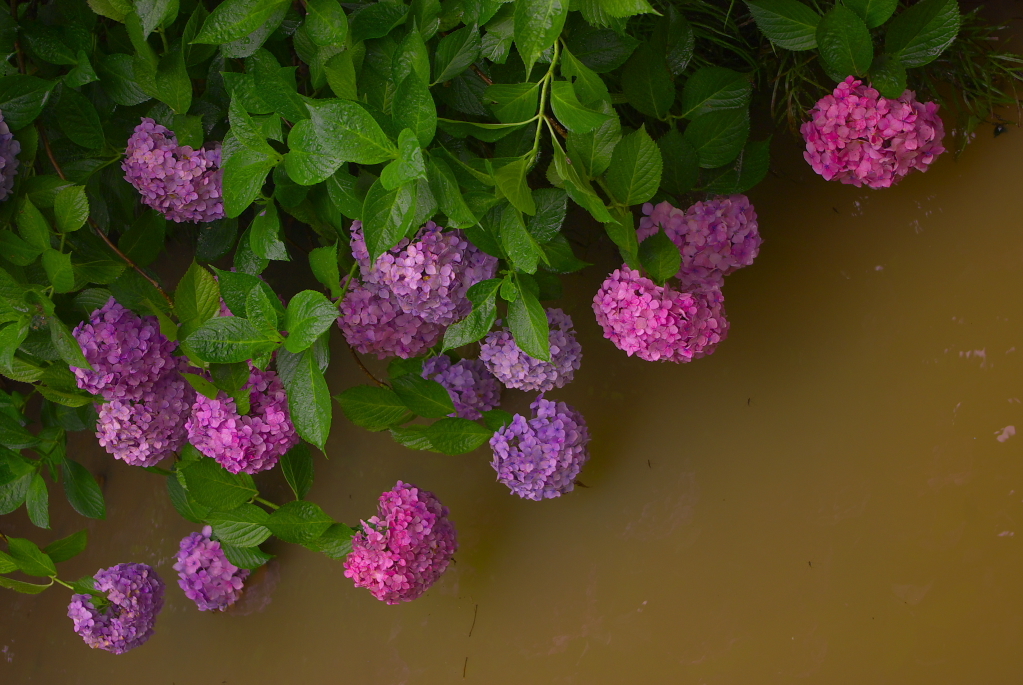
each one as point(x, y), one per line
point(22, 98)
point(718, 136)
point(325, 22)
point(593, 149)
point(480, 320)
point(511, 179)
point(635, 171)
point(372, 407)
point(242, 526)
point(299, 522)
point(528, 323)
point(308, 396)
point(422, 396)
point(30, 559)
point(244, 175)
point(711, 88)
point(66, 548)
point(872, 12)
point(265, 234)
point(235, 19)
point(197, 299)
point(538, 24)
point(571, 112)
point(921, 33)
point(228, 339)
point(455, 53)
point(82, 490)
point(387, 216)
point(788, 24)
point(213, 486)
point(681, 163)
point(413, 108)
point(297, 464)
point(647, 82)
point(888, 75)
point(309, 314)
point(337, 131)
point(456, 435)
point(660, 257)
point(844, 42)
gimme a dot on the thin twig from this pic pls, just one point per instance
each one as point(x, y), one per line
point(95, 226)
point(556, 125)
point(358, 360)
point(474, 612)
point(479, 72)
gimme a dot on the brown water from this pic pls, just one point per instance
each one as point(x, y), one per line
point(825, 500)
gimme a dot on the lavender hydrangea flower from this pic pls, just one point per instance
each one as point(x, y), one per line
point(540, 457)
point(9, 149)
point(516, 369)
point(403, 550)
point(143, 432)
point(659, 322)
point(128, 354)
point(373, 323)
point(135, 594)
point(858, 137)
point(205, 575)
point(181, 183)
point(473, 389)
point(250, 443)
point(715, 237)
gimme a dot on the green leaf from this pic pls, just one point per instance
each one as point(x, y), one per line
point(46, 43)
point(372, 407)
point(67, 347)
point(410, 164)
point(917, 36)
point(201, 385)
point(228, 339)
point(660, 257)
point(37, 502)
point(66, 548)
point(647, 83)
point(551, 204)
point(297, 464)
point(265, 234)
point(387, 216)
point(184, 503)
point(586, 83)
point(244, 175)
point(750, 169)
point(511, 179)
point(246, 557)
point(424, 397)
point(78, 119)
point(236, 19)
point(538, 24)
point(117, 74)
point(457, 436)
point(626, 8)
point(33, 226)
point(299, 522)
point(154, 13)
point(16, 250)
point(872, 12)
point(276, 86)
point(71, 208)
point(235, 288)
point(513, 102)
point(22, 99)
point(323, 262)
point(470, 129)
point(338, 131)
point(413, 108)
point(518, 244)
point(82, 490)
point(888, 75)
point(844, 42)
point(449, 196)
point(413, 436)
point(57, 265)
point(336, 542)
point(215, 487)
point(7, 563)
point(246, 131)
point(22, 587)
point(497, 41)
point(340, 72)
point(241, 526)
point(528, 323)
point(788, 24)
point(309, 314)
point(145, 240)
point(635, 171)
point(197, 299)
point(719, 136)
point(578, 188)
point(480, 320)
point(600, 49)
point(593, 149)
point(455, 52)
point(713, 88)
point(681, 163)
point(308, 396)
point(376, 20)
point(570, 111)
point(245, 260)
point(325, 22)
point(622, 232)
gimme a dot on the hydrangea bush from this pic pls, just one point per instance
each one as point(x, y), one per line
point(417, 161)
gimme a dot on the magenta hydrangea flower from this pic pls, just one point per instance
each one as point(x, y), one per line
point(373, 322)
point(715, 237)
point(142, 432)
point(541, 457)
point(250, 443)
point(181, 183)
point(205, 574)
point(516, 369)
point(858, 137)
point(9, 149)
point(128, 354)
point(403, 550)
point(473, 389)
point(659, 322)
point(135, 596)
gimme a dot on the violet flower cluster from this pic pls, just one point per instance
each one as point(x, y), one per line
point(403, 550)
point(472, 388)
point(541, 457)
point(205, 575)
point(405, 300)
point(250, 443)
point(516, 369)
point(181, 183)
point(135, 596)
point(9, 149)
point(859, 137)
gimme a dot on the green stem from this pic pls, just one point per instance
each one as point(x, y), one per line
point(348, 281)
point(545, 86)
point(265, 502)
point(58, 580)
point(163, 37)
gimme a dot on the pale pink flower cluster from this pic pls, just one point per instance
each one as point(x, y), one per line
point(516, 369)
point(205, 574)
point(859, 137)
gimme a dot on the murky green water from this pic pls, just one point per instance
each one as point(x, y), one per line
point(826, 499)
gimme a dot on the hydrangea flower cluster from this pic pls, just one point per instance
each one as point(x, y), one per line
point(205, 574)
point(403, 550)
point(414, 290)
point(858, 137)
point(250, 443)
point(9, 149)
point(472, 388)
point(540, 457)
point(181, 183)
point(715, 237)
point(135, 594)
point(516, 369)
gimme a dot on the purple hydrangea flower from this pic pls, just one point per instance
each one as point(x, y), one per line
point(659, 322)
point(135, 593)
point(181, 183)
point(9, 149)
point(541, 457)
point(403, 550)
point(473, 389)
point(715, 237)
point(516, 369)
point(205, 574)
point(373, 323)
point(250, 443)
point(128, 354)
point(142, 432)
point(858, 137)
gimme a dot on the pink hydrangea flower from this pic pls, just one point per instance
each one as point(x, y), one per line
point(403, 550)
point(250, 443)
point(204, 573)
point(516, 369)
point(715, 237)
point(660, 322)
point(9, 150)
point(373, 322)
point(135, 596)
point(858, 137)
point(472, 388)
